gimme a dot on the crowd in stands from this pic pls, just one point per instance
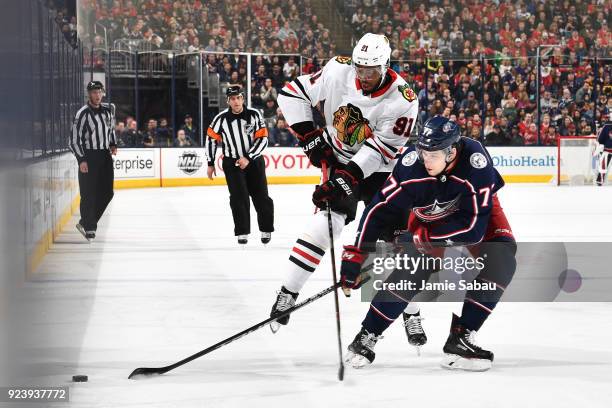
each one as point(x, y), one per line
point(158, 133)
point(475, 59)
point(261, 26)
point(65, 18)
point(472, 60)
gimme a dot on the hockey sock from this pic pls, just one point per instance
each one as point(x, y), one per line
point(499, 268)
point(304, 259)
point(474, 314)
point(381, 315)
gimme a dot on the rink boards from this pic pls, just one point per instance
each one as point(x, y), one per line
point(171, 167)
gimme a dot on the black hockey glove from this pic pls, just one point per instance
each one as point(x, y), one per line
point(340, 187)
point(316, 149)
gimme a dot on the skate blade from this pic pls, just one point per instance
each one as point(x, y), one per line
point(355, 360)
point(418, 350)
point(455, 362)
point(275, 326)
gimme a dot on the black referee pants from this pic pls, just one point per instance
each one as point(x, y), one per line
point(96, 187)
point(244, 183)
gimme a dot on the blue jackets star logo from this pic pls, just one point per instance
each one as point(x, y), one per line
point(437, 210)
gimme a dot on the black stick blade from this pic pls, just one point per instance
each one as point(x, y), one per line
point(341, 372)
point(145, 372)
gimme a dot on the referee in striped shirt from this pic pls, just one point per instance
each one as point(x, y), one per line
point(92, 142)
point(244, 136)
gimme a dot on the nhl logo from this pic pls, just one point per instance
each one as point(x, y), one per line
point(189, 162)
point(447, 127)
point(248, 129)
point(410, 159)
point(478, 160)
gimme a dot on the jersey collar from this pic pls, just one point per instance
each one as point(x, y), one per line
point(380, 91)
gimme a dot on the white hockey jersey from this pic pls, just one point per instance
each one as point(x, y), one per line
point(366, 129)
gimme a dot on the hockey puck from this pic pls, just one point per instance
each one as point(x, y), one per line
point(79, 378)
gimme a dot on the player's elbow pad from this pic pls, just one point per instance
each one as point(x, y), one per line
point(303, 128)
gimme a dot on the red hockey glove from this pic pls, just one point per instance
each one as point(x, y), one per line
point(419, 238)
point(352, 259)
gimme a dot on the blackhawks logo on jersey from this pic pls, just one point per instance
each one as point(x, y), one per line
point(344, 60)
point(406, 92)
point(352, 127)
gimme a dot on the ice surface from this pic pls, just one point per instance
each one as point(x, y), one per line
point(166, 279)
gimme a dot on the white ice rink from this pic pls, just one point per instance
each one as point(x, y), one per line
point(166, 279)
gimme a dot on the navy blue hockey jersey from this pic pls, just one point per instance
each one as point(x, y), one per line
point(605, 138)
point(455, 205)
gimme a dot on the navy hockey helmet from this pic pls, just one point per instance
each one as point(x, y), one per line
point(438, 133)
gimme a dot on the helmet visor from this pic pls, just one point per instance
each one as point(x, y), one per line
point(367, 73)
point(433, 155)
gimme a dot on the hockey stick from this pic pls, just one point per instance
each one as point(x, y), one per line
point(335, 278)
point(150, 371)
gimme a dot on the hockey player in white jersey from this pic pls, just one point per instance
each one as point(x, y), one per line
point(369, 112)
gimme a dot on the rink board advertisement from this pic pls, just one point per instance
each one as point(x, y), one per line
point(137, 168)
point(525, 164)
point(170, 167)
point(188, 166)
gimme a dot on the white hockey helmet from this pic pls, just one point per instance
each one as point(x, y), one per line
point(372, 50)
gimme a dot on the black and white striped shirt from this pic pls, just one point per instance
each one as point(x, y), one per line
point(93, 129)
point(243, 135)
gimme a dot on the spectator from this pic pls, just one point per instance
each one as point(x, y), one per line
point(182, 140)
point(281, 136)
point(495, 137)
point(164, 133)
point(131, 137)
point(268, 91)
point(568, 128)
point(277, 77)
point(149, 137)
point(291, 69)
point(119, 131)
point(530, 136)
point(269, 111)
point(189, 128)
point(550, 137)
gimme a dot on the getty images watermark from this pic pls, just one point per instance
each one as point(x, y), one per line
point(544, 272)
point(410, 264)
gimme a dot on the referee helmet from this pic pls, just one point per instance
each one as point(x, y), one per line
point(233, 90)
point(94, 85)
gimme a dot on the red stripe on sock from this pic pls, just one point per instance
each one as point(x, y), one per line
point(306, 255)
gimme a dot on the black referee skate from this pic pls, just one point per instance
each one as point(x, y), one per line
point(243, 239)
point(88, 235)
point(414, 330)
point(284, 300)
point(461, 351)
point(361, 350)
point(266, 237)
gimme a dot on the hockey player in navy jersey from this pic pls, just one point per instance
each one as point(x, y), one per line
point(449, 185)
point(605, 151)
